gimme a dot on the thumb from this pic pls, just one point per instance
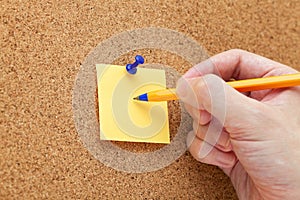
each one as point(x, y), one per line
point(231, 108)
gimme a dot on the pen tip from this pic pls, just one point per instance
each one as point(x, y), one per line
point(136, 98)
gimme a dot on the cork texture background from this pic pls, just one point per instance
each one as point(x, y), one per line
point(42, 46)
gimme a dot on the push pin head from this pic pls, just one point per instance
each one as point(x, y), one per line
point(131, 68)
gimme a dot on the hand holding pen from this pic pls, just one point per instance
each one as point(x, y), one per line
point(259, 146)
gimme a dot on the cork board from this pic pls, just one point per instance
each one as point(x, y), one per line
point(44, 45)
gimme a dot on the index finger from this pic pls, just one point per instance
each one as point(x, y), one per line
point(238, 64)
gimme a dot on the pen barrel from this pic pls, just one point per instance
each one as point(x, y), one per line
point(266, 83)
point(271, 82)
point(162, 95)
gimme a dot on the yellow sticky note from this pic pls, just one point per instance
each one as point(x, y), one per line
point(125, 119)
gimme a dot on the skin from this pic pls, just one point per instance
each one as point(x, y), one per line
point(258, 145)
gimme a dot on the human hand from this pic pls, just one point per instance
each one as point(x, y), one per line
point(257, 143)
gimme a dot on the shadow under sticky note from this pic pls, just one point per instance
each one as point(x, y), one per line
point(125, 119)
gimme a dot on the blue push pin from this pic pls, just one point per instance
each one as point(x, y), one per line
point(131, 68)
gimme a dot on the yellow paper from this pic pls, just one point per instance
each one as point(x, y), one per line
point(125, 119)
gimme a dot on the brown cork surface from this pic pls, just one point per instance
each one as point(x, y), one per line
point(42, 47)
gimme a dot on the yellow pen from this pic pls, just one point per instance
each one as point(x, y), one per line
point(271, 82)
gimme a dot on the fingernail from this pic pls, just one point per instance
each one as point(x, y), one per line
point(202, 120)
point(204, 117)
